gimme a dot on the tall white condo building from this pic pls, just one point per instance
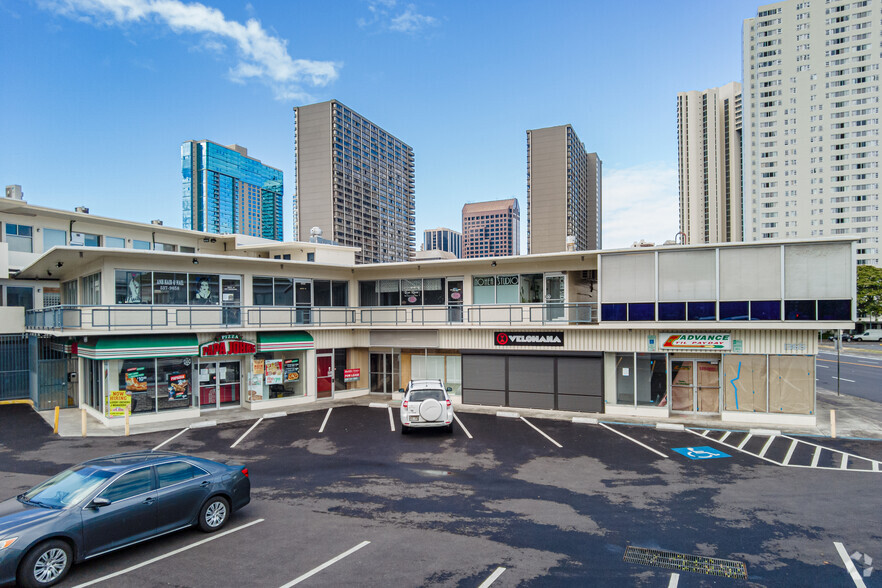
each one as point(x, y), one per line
point(811, 107)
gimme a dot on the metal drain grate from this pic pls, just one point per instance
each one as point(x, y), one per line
point(697, 564)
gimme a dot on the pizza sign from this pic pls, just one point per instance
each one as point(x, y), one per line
point(696, 341)
point(226, 347)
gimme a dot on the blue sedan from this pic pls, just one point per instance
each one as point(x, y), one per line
point(109, 503)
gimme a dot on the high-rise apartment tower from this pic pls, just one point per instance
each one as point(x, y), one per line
point(491, 229)
point(811, 104)
point(443, 239)
point(564, 192)
point(353, 180)
point(709, 142)
point(225, 191)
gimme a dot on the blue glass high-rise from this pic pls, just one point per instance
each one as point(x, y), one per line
point(226, 191)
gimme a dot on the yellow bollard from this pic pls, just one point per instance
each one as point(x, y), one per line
point(833, 424)
point(83, 420)
point(128, 411)
point(57, 410)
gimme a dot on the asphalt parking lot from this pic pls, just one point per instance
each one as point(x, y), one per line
point(341, 498)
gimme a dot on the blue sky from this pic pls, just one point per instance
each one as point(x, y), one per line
point(99, 94)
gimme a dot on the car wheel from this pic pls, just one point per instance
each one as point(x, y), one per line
point(46, 564)
point(214, 514)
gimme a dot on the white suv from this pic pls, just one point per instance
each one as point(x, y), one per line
point(869, 335)
point(426, 404)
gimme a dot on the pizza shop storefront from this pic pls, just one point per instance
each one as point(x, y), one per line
point(175, 376)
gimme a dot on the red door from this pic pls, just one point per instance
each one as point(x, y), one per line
point(325, 378)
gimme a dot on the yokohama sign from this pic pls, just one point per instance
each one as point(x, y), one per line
point(529, 338)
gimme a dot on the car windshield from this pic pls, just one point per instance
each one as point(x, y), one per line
point(66, 488)
point(420, 395)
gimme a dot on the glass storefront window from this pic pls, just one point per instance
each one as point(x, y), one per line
point(117, 242)
point(92, 289)
point(507, 290)
point(262, 291)
point(389, 293)
point(138, 378)
point(283, 292)
point(283, 375)
point(367, 294)
point(411, 292)
point(340, 293)
point(625, 378)
point(321, 291)
point(20, 296)
point(169, 288)
point(652, 379)
point(531, 288)
point(53, 238)
point(204, 289)
point(174, 380)
point(69, 292)
point(19, 238)
point(138, 244)
point(133, 287)
point(484, 290)
point(433, 291)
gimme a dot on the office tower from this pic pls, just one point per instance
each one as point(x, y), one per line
point(709, 154)
point(443, 240)
point(354, 181)
point(811, 102)
point(226, 191)
point(564, 192)
point(491, 229)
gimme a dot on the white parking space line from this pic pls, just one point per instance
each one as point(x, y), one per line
point(245, 434)
point(492, 578)
point(675, 579)
point(723, 438)
point(744, 442)
point(327, 564)
point(816, 457)
point(849, 565)
point(169, 554)
point(391, 420)
point(843, 379)
point(635, 441)
point(768, 444)
point(169, 439)
point(542, 433)
point(844, 464)
point(462, 426)
point(789, 452)
point(325, 422)
point(824, 366)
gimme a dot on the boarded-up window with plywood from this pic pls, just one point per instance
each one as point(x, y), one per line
point(744, 381)
point(791, 384)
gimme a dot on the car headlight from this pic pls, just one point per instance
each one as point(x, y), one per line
point(4, 543)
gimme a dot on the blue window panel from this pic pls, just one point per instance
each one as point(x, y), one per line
point(702, 311)
point(765, 310)
point(834, 310)
point(672, 311)
point(643, 311)
point(614, 312)
point(799, 310)
point(735, 311)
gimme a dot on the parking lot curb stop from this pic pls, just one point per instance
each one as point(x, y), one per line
point(585, 420)
point(202, 424)
point(508, 415)
point(670, 427)
point(378, 405)
point(274, 415)
point(765, 432)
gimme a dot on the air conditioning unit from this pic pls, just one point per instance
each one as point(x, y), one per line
point(77, 239)
point(589, 275)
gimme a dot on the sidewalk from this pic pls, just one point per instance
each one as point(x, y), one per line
point(855, 417)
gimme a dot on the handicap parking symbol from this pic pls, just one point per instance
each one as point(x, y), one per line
point(700, 452)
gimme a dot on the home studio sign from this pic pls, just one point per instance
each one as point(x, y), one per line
point(529, 338)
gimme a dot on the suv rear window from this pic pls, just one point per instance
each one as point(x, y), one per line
point(420, 395)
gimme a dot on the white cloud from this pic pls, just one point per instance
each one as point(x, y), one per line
point(263, 57)
point(640, 202)
point(386, 14)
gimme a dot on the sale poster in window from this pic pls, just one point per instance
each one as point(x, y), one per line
point(273, 371)
point(178, 386)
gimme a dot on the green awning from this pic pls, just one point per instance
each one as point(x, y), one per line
point(139, 346)
point(284, 341)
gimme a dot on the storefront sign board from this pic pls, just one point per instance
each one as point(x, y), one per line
point(696, 341)
point(352, 375)
point(528, 338)
point(226, 347)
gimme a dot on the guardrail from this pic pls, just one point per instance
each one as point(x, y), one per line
point(155, 317)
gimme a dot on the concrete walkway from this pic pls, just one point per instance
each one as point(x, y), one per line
point(855, 417)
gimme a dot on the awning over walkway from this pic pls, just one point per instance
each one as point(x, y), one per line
point(284, 341)
point(139, 346)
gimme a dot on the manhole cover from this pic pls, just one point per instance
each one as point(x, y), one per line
point(711, 566)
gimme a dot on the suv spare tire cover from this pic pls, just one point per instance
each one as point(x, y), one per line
point(430, 409)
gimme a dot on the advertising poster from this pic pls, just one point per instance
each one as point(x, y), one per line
point(178, 386)
point(117, 403)
point(273, 371)
point(292, 370)
point(257, 366)
point(136, 379)
point(351, 374)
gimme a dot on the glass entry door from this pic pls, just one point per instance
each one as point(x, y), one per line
point(554, 297)
point(325, 374)
point(385, 373)
point(219, 384)
point(231, 299)
point(695, 385)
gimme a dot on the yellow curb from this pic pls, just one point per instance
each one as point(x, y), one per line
point(21, 401)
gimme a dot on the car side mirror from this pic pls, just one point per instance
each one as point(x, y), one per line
point(449, 389)
point(98, 502)
point(401, 390)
